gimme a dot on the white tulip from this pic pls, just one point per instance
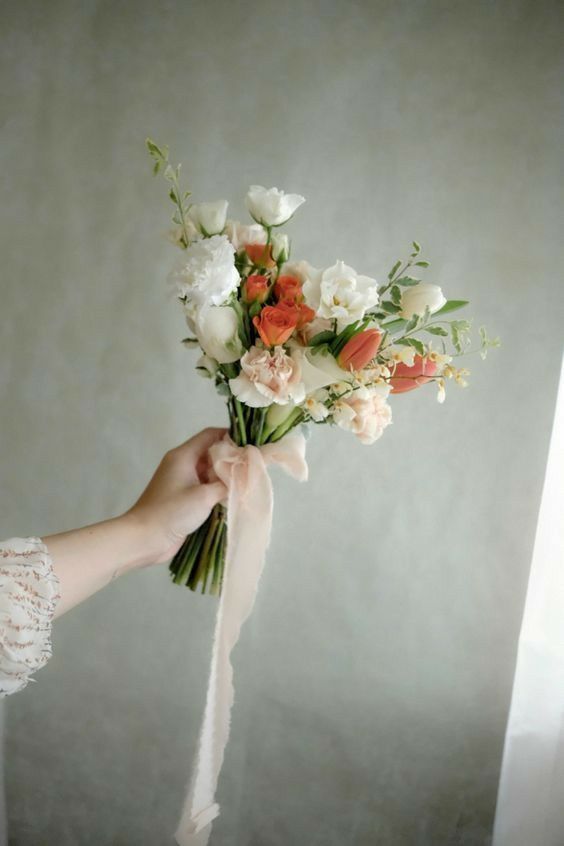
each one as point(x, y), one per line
point(217, 330)
point(415, 299)
point(209, 218)
point(280, 246)
point(340, 293)
point(270, 206)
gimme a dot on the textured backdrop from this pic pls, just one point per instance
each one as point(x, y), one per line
point(373, 679)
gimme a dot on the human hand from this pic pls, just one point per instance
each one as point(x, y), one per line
point(178, 498)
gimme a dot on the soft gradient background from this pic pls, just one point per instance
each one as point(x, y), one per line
point(373, 679)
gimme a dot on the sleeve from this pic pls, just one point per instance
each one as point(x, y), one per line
point(29, 592)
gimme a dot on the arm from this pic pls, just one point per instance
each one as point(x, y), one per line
point(177, 500)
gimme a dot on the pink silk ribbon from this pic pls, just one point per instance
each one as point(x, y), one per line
point(249, 519)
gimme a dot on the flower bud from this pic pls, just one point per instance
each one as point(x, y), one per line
point(280, 247)
point(360, 350)
point(416, 299)
point(260, 255)
point(256, 288)
point(209, 218)
point(407, 378)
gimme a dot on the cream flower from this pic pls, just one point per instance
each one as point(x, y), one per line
point(416, 299)
point(217, 330)
point(270, 206)
point(209, 218)
point(340, 293)
point(266, 377)
point(315, 405)
point(317, 369)
point(241, 234)
point(207, 275)
point(399, 354)
point(365, 413)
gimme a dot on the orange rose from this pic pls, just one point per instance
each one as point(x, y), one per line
point(407, 378)
point(360, 349)
point(275, 324)
point(288, 288)
point(260, 254)
point(255, 289)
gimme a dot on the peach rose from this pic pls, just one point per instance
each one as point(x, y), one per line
point(276, 323)
point(360, 350)
point(256, 288)
point(260, 255)
point(303, 313)
point(407, 378)
point(288, 288)
point(267, 377)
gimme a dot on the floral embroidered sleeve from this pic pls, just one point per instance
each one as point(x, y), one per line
point(29, 592)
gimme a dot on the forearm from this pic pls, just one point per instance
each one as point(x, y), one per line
point(86, 560)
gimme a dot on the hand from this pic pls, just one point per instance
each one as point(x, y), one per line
point(178, 498)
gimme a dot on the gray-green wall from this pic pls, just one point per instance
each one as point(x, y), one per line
point(373, 679)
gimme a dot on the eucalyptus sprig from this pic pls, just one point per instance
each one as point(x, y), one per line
point(159, 156)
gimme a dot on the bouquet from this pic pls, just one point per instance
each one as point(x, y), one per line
point(288, 344)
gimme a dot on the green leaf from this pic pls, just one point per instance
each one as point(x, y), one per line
point(390, 308)
point(393, 325)
point(190, 342)
point(407, 281)
point(325, 337)
point(416, 248)
point(223, 389)
point(451, 305)
point(394, 269)
point(412, 342)
point(412, 324)
point(173, 197)
point(421, 264)
point(436, 330)
point(395, 294)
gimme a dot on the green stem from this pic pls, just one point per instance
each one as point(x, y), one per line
point(241, 421)
point(295, 417)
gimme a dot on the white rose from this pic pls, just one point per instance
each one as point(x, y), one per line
point(365, 413)
point(280, 246)
point(270, 206)
point(415, 299)
point(266, 377)
point(217, 330)
point(241, 234)
point(206, 275)
point(340, 293)
point(209, 218)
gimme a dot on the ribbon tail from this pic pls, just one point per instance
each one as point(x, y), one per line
point(249, 520)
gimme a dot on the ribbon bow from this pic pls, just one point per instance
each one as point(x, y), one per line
point(249, 520)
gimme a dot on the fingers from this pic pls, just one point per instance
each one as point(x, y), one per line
point(199, 444)
point(214, 492)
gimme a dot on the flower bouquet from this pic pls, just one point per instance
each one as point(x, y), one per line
point(288, 344)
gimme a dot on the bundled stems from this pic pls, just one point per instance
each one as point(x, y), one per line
point(201, 558)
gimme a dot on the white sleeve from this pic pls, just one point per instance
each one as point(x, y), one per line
point(29, 592)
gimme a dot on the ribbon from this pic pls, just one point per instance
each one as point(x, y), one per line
point(249, 520)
